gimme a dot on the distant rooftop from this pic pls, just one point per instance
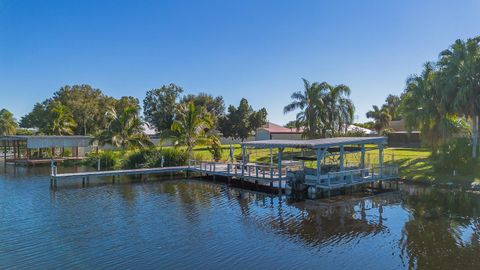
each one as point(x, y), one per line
point(316, 143)
point(277, 129)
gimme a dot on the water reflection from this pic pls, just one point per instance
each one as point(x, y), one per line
point(187, 223)
point(443, 231)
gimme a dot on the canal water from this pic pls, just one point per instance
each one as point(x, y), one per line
point(194, 224)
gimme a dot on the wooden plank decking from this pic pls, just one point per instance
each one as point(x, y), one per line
point(120, 172)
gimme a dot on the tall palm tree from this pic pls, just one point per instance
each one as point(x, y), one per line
point(62, 120)
point(312, 111)
point(192, 126)
point(461, 65)
point(124, 129)
point(424, 108)
point(8, 125)
point(340, 108)
point(381, 118)
point(323, 109)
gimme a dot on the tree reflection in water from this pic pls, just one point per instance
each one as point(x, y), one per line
point(443, 231)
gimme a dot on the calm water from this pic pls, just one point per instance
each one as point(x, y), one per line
point(191, 224)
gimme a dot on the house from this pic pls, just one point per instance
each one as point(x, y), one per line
point(271, 131)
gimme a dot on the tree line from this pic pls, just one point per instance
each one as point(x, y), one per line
point(443, 101)
point(187, 119)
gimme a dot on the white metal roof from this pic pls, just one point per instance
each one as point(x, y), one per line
point(43, 141)
point(316, 143)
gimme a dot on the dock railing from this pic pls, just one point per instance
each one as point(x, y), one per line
point(352, 177)
point(234, 169)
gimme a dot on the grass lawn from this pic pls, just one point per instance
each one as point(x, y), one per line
point(414, 163)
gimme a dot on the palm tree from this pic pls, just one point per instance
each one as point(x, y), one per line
point(62, 120)
point(461, 65)
point(424, 108)
point(192, 126)
point(381, 117)
point(310, 102)
point(340, 108)
point(124, 129)
point(324, 108)
point(8, 125)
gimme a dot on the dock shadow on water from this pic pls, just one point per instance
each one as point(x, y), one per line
point(192, 224)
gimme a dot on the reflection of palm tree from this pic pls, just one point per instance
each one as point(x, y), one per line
point(432, 237)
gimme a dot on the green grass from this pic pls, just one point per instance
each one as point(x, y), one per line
point(414, 163)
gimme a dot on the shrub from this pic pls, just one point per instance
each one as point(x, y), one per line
point(152, 157)
point(108, 159)
point(456, 155)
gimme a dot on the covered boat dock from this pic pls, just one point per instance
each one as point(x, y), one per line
point(330, 169)
point(33, 150)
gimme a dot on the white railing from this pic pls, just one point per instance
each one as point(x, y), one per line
point(252, 170)
point(356, 176)
point(268, 172)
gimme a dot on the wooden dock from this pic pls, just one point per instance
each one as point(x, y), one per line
point(255, 174)
point(273, 177)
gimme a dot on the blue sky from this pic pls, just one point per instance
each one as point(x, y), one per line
point(259, 50)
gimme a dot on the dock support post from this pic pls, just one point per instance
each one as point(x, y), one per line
point(5, 153)
point(271, 186)
point(14, 150)
point(320, 154)
point(280, 151)
point(380, 159)
point(362, 157)
point(171, 175)
point(83, 181)
point(113, 179)
point(342, 158)
point(243, 161)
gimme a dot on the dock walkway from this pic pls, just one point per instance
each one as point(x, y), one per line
point(120, 172)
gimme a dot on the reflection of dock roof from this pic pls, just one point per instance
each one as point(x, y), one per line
point(316, 143)
point(43, 141)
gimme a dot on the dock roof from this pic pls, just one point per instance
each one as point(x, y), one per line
point(315, 143)
point(43, 141)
